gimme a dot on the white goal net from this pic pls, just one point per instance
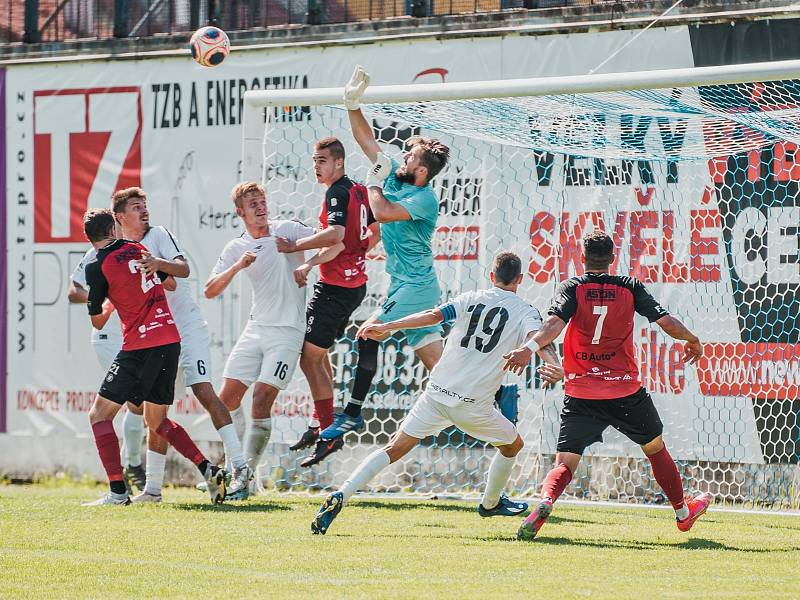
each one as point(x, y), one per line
point(695, 176)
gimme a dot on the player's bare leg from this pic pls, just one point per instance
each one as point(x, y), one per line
point(223, 423)
point(133, 437)
point(687, 508)
point(231, 394)
point(155, 416)
point(400, 445)
point(350, 419)
point(430, 354)
point(494, 502)
point(101, 417)
point(316, 367)
point(554, 484)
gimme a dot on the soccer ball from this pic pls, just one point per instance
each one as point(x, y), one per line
point(210, 46)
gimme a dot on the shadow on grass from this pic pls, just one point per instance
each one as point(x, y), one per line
point(690, 544)
point(230, 507)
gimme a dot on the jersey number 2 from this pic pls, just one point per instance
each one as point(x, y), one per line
point(488, 327)
point(598, 328)
point(147, 282)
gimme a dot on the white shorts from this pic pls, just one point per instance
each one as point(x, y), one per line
point(479, 420)
point(106, 351)
point(195, 360)
point(265, 354)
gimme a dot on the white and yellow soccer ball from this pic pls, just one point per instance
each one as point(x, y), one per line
point(209, 45)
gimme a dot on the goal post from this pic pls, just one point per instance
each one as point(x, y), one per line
point(695, 173)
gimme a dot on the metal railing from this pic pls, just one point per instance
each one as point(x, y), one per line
point(59, 20)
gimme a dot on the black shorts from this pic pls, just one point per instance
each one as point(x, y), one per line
point(329, 312)
point(584, 421)
point(146, 375)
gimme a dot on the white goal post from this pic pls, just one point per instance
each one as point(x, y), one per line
point(696, 175)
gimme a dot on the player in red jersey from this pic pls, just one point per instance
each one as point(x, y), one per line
point(602, 386)
point(145, 368)
point(345, 217)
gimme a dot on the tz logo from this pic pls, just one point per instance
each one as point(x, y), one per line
point(87, 143)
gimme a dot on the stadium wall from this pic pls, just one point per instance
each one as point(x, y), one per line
point(83, 128)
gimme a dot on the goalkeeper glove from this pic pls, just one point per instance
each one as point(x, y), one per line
point(379, 171)
point(355, 88)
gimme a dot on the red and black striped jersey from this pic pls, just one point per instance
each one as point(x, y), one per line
point(599, 357)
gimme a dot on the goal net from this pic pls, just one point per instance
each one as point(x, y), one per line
point(693, 173)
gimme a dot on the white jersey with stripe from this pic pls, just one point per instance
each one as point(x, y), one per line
point(111, 332)
point(185, 310)
point(276, 300)
point(486, 324)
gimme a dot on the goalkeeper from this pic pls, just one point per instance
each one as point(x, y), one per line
point(404, 203)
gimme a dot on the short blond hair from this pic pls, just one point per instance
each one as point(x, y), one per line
point(120, 198)
point(240, 190)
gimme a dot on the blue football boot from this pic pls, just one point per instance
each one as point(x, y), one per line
point(504, 508)
point(327, 513)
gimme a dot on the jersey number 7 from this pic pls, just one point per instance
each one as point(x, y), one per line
point(598, 328)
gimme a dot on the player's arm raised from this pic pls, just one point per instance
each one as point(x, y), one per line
point(217, 283)
point(362, 130)
point(326, 238)
point(321, 257)
point(177, 267)
point(377, 331)
point(693, 349)
point(383, 210)
point(540, 342)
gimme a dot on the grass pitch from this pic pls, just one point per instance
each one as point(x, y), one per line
point(52, 547)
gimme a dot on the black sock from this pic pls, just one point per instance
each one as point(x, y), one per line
point(203, 466)
point(352, 409)
point(365, 373)
point(118, 487)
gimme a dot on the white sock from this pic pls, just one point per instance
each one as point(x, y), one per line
point(154, 471)
point(682, 513)
point(364, 473)
point(133, 438)
point(256, 441)
point(239, 421)
point(233, 447)
point(496, 479)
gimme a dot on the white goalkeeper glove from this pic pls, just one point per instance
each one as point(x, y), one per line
point(355, 88)
point(379, 171)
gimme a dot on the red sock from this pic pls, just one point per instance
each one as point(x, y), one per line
point(556, 482)
point(108, 448)
point(666, 473)
point(180, 440)
point(323, 412)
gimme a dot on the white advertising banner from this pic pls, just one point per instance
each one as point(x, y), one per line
point(79, 130)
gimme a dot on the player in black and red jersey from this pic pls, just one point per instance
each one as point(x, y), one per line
point(602, 386)
point(122, 279)
point(345, 217)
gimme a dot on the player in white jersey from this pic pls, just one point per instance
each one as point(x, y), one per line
point(107, 342)
point(130, 211)
point(485, 325)
point(268, 349)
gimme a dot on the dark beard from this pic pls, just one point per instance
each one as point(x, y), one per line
point(404, 177)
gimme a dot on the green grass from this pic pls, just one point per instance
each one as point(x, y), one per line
point(51, 547)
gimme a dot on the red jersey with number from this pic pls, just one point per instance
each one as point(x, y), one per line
point(138, 298)
point(346, 205)
point(599, 357)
